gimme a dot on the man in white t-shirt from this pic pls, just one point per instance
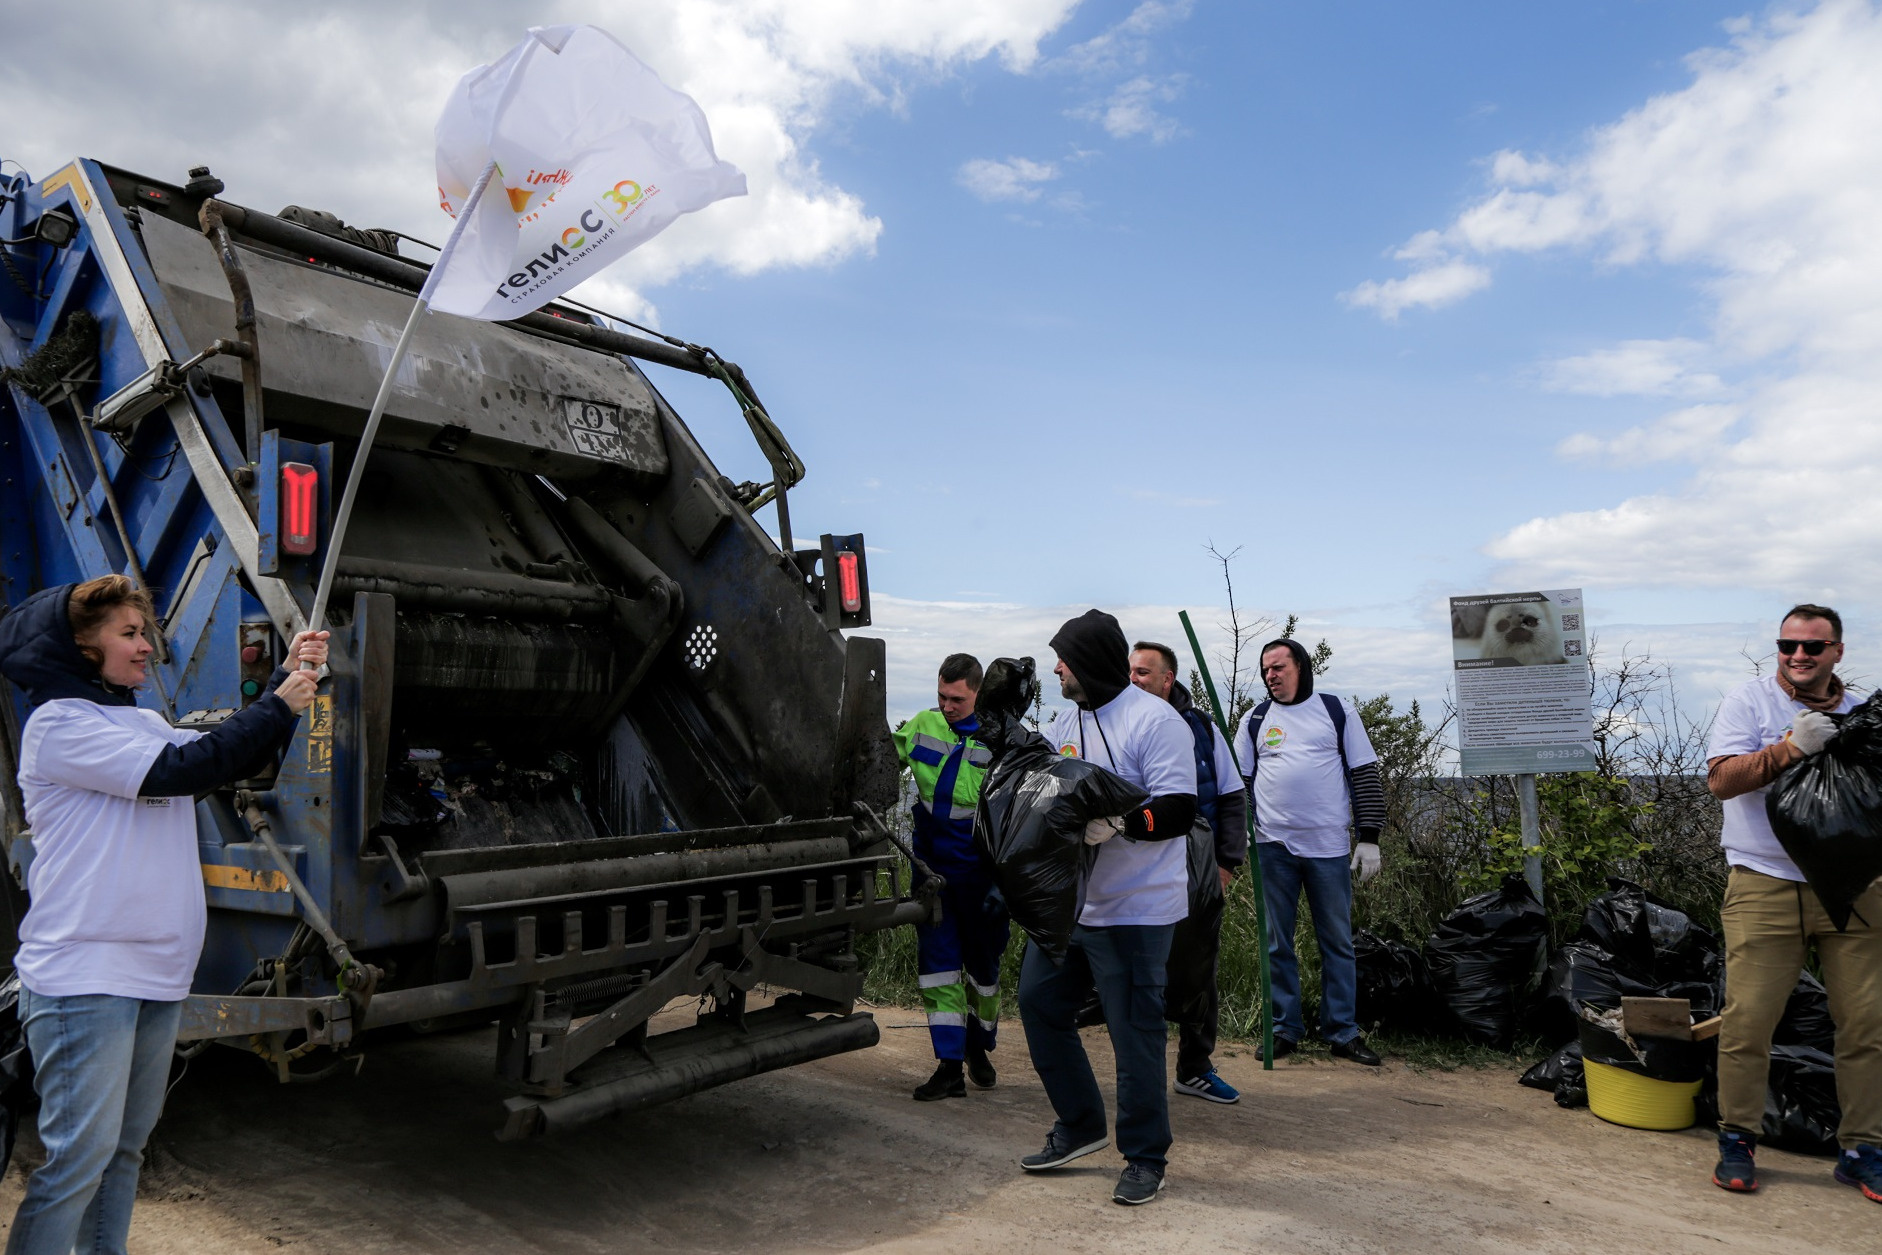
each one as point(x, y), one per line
point(1770, 915)
point(1137, 891)
point(1312, 776)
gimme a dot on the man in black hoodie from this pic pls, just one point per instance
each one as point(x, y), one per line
point(1312, 777)
point(1137, 890)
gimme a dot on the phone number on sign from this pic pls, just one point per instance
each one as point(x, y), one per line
point(1573, 752)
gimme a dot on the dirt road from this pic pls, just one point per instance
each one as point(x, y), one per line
point(833, 1156)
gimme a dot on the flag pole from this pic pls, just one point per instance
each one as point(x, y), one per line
point(1254, 855)
point(316, 619)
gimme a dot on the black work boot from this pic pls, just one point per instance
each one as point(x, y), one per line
point(945, 1083)
point(980, 1068)
point(1358, 1051)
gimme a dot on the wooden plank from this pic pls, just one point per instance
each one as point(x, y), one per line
point(1657, 1017)
point(1706, 1028)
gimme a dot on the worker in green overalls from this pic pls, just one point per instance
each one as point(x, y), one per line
point(958, 958)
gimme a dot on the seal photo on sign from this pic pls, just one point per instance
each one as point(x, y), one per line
point(1524, 631)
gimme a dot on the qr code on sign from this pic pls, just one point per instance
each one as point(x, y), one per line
point(1571, 623)
point(1571, 649)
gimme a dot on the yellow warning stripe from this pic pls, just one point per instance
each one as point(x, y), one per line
point(221, 876)
point(70, 177)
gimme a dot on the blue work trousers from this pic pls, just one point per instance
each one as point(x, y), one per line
point(958, 966)
point(102, 1064)
point(1125, 964)
point(1329, 886)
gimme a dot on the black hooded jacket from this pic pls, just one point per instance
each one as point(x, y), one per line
point(1302, 659)
point(1094, 647)
point(38, 653)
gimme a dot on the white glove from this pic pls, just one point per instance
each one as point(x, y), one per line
point(1811, 730)
point(1365, 864)
point(1098, 831)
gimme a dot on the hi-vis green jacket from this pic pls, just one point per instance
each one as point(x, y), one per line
point(949, 767)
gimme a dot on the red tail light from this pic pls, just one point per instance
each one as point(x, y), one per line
point(300, 495)
point(849, 583)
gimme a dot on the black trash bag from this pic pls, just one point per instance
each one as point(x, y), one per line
point(1661, 1058)
point(1562, 1075)
point(1394, 984)
point(1800, 1108)
point(1654, 945)
point(16, 1068)
point(1034, 805)
point(1807, 1019)
point(1827, 811)
point(1484, 956)
point(1195, 946)
point(1629, 946)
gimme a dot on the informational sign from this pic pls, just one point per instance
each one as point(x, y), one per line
point(1522, 672)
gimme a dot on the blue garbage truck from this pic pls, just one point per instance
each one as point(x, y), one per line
point(594, 741)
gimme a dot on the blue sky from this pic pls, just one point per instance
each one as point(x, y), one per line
point(1050, 295)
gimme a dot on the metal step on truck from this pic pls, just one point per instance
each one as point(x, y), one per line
point(593, 740)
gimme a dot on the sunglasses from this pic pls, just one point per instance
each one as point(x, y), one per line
point(1810, 648)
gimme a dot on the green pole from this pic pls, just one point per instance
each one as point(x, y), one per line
point(1254, 861)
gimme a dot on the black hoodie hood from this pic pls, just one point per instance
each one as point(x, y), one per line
point(1302, 659)
point(37, 653)
point(1093, 646)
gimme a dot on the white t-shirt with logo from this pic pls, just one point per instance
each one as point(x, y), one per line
point(1144, 740)
point(116, 880)
point(1752, 716)
point(1301, 798)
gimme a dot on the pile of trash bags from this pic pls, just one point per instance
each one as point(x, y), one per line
point(1034, 806)
point(1827, 811)
point(1473, 977)
point(1630, 945)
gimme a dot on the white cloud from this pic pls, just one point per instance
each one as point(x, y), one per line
point(1764, 174)
point(333, 106)
point(1635, 368)
point(1016, 178)
point(1126, 45)
point(1690, 433)
point(1434, 287)
point(1131, 109)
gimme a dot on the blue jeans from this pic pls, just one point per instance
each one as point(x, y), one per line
point(1329, 885)
point(1125, 963)
point(102, 1064)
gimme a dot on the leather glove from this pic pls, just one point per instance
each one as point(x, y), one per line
point(1365, 864)
point(1098, 831)
point(1811, 731)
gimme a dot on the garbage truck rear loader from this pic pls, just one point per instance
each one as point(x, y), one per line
point(593, 740)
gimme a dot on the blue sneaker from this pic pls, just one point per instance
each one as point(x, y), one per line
point(1209, 1086)
point(1736, 1171)
point(1862, 1168)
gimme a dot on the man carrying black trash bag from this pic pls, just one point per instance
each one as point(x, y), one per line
point(1771, 915)
point(1218, 844)
point(1137, 890)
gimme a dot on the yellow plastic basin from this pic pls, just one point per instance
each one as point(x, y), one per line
point(1639, 1102)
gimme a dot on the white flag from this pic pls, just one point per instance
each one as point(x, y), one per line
point(594, 155)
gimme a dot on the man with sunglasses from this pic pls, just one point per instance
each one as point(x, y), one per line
point(1771, 916)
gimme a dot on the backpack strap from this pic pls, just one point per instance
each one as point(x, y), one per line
point(1336, 711)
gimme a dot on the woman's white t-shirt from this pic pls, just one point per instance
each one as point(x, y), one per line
point(1144, 740)
point(116, 879)
point(1752, 716)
